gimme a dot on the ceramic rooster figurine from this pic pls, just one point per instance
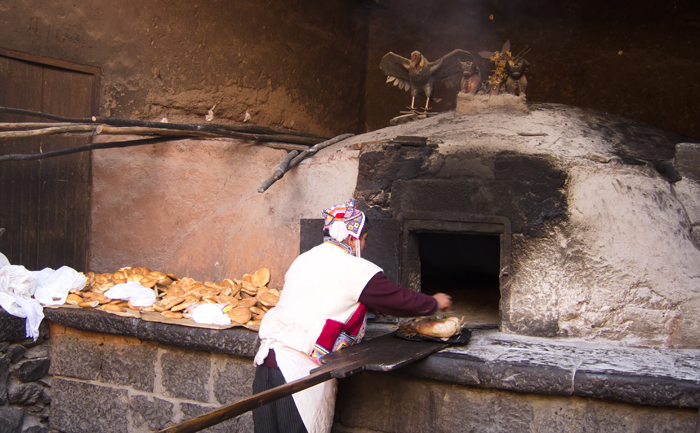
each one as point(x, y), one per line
point(418, 74)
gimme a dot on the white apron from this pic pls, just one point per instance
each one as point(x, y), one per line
point(323, 283)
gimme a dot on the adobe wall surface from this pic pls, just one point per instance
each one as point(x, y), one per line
point(294, 64)
point(619, 57)
point(603, 236)
point(192, 207)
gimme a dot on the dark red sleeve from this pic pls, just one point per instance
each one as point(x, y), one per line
point(382, 295)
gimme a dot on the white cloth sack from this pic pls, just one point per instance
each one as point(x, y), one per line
point(52, 287)
point(210, 314)
point(17, 286)
point(7, 302)
point(3, 260)
point(18, 280)
point(134, 292)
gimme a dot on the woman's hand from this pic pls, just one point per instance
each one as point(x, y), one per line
point(444, 301)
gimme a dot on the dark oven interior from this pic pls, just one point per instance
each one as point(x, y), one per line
point(466, 267)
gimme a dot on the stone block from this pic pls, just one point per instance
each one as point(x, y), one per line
point(41, 351)
point(695, 236)
point(26, 394)
point(484, 411)
point(75, 356)
point(185, 374)
point(11, 328)
point(16, 352)
point(688, 192)
point(157, 414)
point(687, 160)
point(233, 379)
point(526, 378)
point(33, 369)
point(36, 429)
point(241, 424)
point(4, 372)
point(11, 419)
point(79, 407)
point(655, 391)
point(129, 364)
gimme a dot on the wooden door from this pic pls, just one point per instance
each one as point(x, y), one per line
point(45, 204)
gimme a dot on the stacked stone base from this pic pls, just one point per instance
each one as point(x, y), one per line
point(25, 388)
point(104, 383)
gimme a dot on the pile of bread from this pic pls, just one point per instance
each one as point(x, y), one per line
point(245, 301)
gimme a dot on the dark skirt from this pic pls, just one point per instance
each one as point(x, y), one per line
point(280, 416)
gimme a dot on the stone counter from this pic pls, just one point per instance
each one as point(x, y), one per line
point(114, 373)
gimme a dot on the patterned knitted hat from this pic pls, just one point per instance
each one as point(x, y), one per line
point(344, 220)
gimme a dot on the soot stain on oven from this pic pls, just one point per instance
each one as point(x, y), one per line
point(455, 215)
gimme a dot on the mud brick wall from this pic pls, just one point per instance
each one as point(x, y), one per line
point(104, 383)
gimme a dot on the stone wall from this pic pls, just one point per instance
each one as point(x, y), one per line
point(104, 383)
point(295, 64)
point(619, 57)
point(381, 402)
point(25, 388)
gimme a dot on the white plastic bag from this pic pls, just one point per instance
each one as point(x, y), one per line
point(52, 287)
point(3, 260)
point(138, 295)
point(210, 314)
point(17, 285)
point(16, 279)
point(7, 302)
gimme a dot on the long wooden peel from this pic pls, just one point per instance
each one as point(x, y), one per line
point(255, 401)
point(383, 353)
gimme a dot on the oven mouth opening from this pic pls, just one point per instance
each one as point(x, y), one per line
point(466, 267)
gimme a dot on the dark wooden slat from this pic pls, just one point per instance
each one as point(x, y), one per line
point(45, 205)
point(68, 93)
point(91, 70)
point(18, 213)
point(383, 353)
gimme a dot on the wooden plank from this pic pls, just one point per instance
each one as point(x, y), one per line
point(383, 353)
point(22, 87)
point(92, 70)
point(255, 401)
point(46, 203)
point(68, 94)
point(380, 354)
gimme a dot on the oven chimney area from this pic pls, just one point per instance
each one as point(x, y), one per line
point(466, 267)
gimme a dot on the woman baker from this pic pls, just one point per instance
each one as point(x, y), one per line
point(327, 293)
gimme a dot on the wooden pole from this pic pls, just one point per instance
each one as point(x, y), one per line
point(245, 132)
point(279, 171)
point(28, 125)
point(288, 165)
point(253, 402)
point(313, 149)
point(46, 131)
point(93, 146)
